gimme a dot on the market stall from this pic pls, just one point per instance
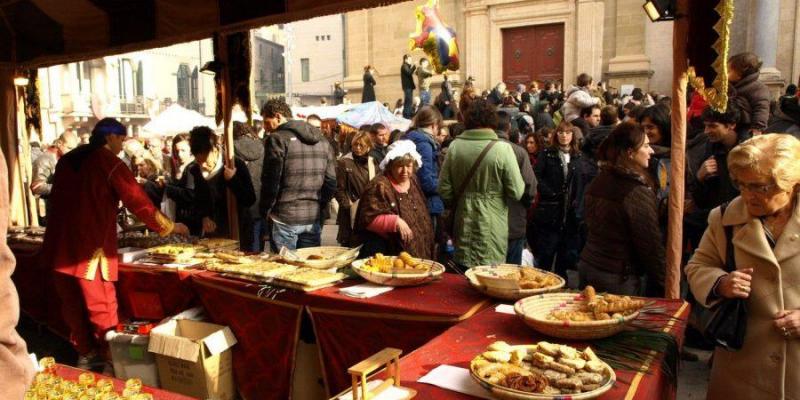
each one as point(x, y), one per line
point(347, 329)
point(460, 344)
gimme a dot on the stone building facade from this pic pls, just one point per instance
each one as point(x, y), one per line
point(613, 40)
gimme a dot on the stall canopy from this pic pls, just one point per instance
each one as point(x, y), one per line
point(47, 32)
point(372, 113)
point(174, 120)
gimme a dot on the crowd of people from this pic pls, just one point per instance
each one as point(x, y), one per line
point(579, 176)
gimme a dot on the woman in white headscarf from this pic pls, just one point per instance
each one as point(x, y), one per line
point(392, 213)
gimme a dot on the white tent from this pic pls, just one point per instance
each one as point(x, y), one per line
point(174, 120)
point(324, 112)
point(371, 113)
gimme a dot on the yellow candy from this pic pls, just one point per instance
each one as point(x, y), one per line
point(86, 379)
point(134, 384)
point(47, 363)
point(105, 385)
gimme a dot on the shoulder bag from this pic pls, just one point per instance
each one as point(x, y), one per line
point(727, 323)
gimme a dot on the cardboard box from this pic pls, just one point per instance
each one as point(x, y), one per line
point(194, 358)
point(131, 358)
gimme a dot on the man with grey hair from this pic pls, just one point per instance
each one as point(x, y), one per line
point(44, 168)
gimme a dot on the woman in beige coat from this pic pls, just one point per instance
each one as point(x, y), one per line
point(766, 240)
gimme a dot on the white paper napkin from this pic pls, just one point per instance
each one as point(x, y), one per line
point(505, 309)
point(455, 379)
point(365, 290)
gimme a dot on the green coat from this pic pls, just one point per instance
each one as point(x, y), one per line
point(481, 221)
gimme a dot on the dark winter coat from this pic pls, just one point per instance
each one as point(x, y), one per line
point(752, 96)
point(250, 150)
point(198, 197)
point(338, 95)
point(717, 189)
point(299, 175)
point(369, 88)
point(556, 192)
point(622, 223)
point(428, 175)
point(352, 177)
point(407, 76)
point(518, 209)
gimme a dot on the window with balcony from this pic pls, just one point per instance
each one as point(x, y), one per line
point(305, 70)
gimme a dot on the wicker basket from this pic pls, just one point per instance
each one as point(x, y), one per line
point(504, 293)
point(334, 257)
point(502, 392)
point(399, 279)
point(534, 311)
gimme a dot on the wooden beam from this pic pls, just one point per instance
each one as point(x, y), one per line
point(678, 153)
point(227, 133)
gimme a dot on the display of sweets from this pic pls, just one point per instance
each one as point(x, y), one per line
point(49, 386)
point(146, 241)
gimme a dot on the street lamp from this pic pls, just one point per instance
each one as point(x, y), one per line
point(659, 10)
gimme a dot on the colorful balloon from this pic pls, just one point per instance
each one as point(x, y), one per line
point(435, 38)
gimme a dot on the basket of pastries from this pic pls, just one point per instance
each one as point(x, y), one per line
point(324, 257)
point(512, 282)
point(402, 270)
point(579, 316)
point(541, 371)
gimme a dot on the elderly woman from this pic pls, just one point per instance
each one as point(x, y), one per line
point(392, 213)
point(763, 224)
point(353, 172)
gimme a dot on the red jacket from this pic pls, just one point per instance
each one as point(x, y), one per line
point(81, 234)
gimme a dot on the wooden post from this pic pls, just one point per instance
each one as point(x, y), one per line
point(672, 280)
point(227, 133)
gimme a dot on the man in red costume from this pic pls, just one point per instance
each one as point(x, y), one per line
point(81, 239)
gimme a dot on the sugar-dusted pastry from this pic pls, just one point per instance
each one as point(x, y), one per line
point(549, 348)
point(497, 356)
point(569, 383)
point(567, 352)
point(499, 346)
point(594, 366)
point(576, 363)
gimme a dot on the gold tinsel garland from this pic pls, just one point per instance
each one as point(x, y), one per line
point(717, 95)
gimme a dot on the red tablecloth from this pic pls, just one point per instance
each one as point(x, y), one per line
point(266, 330)
point(459, 344)
point(347, 330)
point(147, 292)
point(72, 374)
point(168, 288)
point(37, 294)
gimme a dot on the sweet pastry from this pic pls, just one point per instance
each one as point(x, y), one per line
point(598, 308)
point(545, 368)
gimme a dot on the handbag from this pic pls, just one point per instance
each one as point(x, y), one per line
point(354, 204)
point(727, 323)
point(450, 218)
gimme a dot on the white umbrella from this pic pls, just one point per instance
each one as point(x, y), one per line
point(174, 120)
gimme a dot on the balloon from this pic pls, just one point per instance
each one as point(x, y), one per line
point(435, 38)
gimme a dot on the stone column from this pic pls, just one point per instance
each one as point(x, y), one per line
point(476, 45)
point(589, 38)
point(630, 64)
point(766, 14)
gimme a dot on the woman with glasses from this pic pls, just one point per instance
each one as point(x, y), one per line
point(763, 225)
point(554, 220)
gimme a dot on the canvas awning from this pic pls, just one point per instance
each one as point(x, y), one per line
point(48, 32)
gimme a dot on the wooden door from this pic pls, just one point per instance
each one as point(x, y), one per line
point(533, 53)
